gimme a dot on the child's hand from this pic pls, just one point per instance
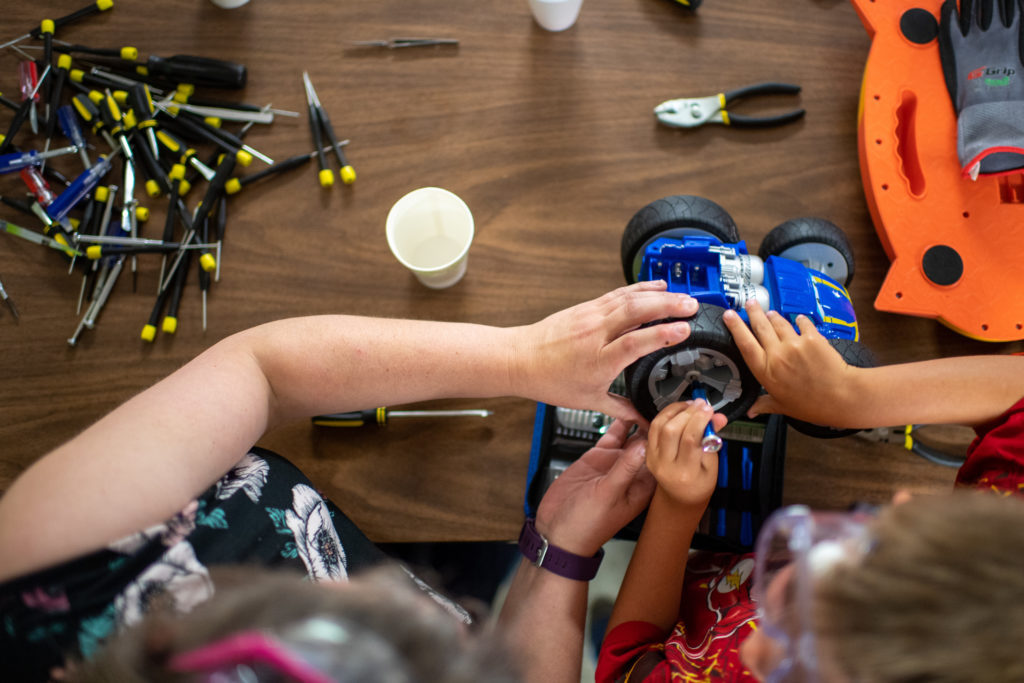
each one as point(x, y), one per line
point(684, 471)
point(804, 376)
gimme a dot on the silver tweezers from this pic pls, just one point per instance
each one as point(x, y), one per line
point(392, 43)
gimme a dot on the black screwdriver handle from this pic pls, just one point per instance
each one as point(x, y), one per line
point(236, 184)
point(19, 118)
point(199, 71)
point(355, 418)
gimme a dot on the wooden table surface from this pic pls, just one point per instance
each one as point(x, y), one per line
point(550, 140)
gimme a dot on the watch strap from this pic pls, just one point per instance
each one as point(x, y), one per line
point(537, 550)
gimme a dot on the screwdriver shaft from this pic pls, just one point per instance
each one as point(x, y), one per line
point(380, 416)
point(440, 413)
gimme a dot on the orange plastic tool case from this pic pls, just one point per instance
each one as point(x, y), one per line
point(956, 245)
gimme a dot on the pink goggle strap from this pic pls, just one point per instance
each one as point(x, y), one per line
point(246, 647)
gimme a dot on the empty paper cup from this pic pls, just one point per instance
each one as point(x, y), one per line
point(429, 231)
point(555, 15)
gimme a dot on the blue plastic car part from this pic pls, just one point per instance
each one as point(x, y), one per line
point(747, 484)
point(727, 275)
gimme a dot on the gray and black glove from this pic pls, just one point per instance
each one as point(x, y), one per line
point(980, 48)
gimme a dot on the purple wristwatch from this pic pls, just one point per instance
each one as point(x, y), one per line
point(537, 550)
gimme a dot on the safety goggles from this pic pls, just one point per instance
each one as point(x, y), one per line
point(794, 549)
point(302, 653)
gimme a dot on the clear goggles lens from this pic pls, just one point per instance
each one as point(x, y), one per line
point(795, 548)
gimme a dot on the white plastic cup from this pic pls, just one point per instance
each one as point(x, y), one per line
point(555, 15)
point(429, 231)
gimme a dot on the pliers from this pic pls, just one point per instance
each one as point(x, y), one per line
point(692, 112)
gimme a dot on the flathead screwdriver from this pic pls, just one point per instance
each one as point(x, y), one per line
point(380, 416)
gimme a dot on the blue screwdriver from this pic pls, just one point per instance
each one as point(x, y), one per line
point(78, 189)
point(16, 161)
point(68, 121)
point(711, 443)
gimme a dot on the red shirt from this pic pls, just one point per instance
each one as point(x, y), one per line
point(995, 460)
point(717, 612)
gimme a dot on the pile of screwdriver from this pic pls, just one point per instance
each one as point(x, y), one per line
point(133, 124)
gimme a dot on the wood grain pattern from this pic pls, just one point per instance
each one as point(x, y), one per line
point(550, 140)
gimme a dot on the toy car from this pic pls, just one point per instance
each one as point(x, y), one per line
point(803, 266)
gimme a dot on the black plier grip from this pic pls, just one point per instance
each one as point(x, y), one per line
point(691, 112)
point(763, 89)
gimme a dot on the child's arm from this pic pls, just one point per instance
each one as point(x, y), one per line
point(806, 378)
point(686, 478)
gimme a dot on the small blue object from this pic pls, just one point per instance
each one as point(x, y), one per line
point(746, 529)
point(69, 125)
point(18, 160)
point(78, 189)
point(747, 470)
point(720, 526)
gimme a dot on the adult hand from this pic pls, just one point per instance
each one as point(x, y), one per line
point(804, 376)
point(685, 473)
point(571, 357)
point(598, 494)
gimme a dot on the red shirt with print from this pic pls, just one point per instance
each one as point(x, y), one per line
point(717, 612)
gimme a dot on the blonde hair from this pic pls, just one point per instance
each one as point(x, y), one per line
point(936, 599)
point(404, 636)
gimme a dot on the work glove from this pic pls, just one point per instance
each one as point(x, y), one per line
point(980, 49)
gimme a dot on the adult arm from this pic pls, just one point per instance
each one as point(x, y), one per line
point(145, 460)
point(544, 615)
point(806, 378)
point(686, 477)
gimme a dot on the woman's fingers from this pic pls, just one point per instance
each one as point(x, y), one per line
point(615, 436)
point(630, 307)
point(638, 343)
point(618, 407)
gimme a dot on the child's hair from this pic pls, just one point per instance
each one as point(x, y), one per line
point(396, 633)
point(936, 599)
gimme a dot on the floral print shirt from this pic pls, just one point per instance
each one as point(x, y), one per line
point(264, 511)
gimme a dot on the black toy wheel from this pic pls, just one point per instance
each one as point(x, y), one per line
point(856, 354)
point(814, 242)
point(708, 356)
point(678, 215)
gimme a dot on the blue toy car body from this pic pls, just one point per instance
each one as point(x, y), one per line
point(727, 275)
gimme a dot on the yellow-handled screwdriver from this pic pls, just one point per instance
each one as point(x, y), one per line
point(93, 8)
point(318, 120)
point(380, 416)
